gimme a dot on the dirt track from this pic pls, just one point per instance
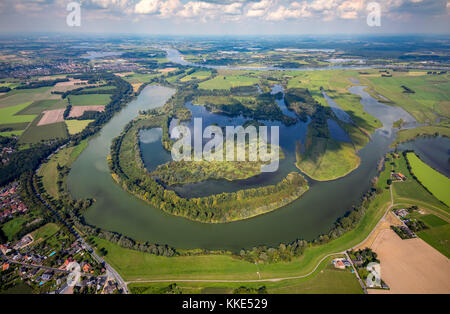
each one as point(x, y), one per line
point(52, 116)
point(410, 266)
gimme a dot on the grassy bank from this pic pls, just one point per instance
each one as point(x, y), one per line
point(134, 265)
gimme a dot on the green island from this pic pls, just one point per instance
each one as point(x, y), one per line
point(128, 170)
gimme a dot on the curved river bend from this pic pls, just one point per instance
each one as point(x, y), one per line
point(314, 213)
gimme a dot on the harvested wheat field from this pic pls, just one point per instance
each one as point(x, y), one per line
point(77, 111)
point(385, 224)
point(167, 70)
point(52, 116)
point(410, 266)
point(136, 86)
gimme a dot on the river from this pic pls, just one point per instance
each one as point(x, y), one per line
point(313, 214)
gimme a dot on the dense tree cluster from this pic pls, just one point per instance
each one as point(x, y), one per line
point(284, 252)
point(25, 160)
point(217, 208)
point(43, 83)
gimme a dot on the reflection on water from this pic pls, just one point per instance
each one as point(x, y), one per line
point(337, 133)
point(338, 111)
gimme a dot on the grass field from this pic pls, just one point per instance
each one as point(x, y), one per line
point(434, 181)
point(431, 92)
point(48, 104)
point(229, 81)
point(13, 226)
point(76, 126)
point(102, 88)
point(411, 190)
point(335, 83)
point(45, 231)
point(16, 96)
point(197, 75)
point(327, 159)
point(428, 130)
point(11, 133)
point(438, 237)
point(89, 100)
point(9, 114)
point(35, 134)
point(65, 157)
point(327, 279)
point(135, 78)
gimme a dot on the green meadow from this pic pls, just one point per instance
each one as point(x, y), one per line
point(44, 232)
point(228, 81)
point(326, 279)
point(90, 100)
point(135, 265)
point(49, 171)
point(197, 75)
point(8, 114)
point(76, 126)
point(434, 181)
point(39, 106)
point(431, 92)
point(35, 134)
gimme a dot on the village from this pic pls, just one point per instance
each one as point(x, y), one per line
point(41, 260)
point(10, 202)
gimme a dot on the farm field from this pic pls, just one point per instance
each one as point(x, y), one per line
point(78, 111)
point(197, 75)
point(39, 106)
point(76, 126)
point(16, 97)
point(229, 81)
point(9, 114)
point(411, 191)
point(51, 117)
point(35, 134)
point(434, 181)
point(438, 237)
point(90, 99)
point(402, 265)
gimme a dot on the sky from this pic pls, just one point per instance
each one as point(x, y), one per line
point(227, 17)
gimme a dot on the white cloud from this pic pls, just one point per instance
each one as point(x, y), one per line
point(294, 11)
point(147, 7)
